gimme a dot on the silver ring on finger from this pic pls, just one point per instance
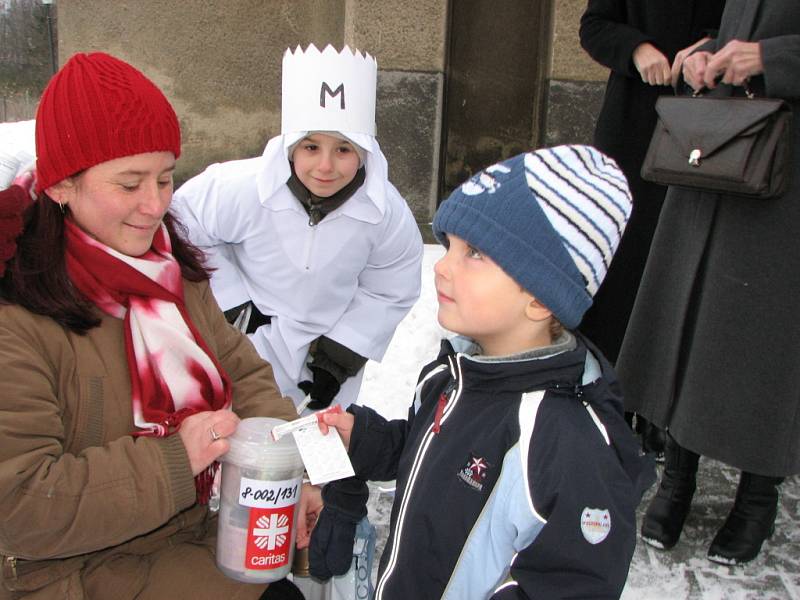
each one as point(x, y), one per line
point(214, 435)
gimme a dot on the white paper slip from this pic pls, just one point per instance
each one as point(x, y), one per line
point(281, 430)
point(324, 456)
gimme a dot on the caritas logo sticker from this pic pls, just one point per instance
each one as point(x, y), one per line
point(269, 532)
point(595, 524)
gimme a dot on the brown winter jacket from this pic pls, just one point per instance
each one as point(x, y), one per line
point(86, 507)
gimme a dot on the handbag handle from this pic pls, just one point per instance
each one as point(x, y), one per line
point(750, 94)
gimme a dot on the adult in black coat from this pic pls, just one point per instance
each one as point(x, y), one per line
point(639, 41)
point(644, 44)
point(712, 351)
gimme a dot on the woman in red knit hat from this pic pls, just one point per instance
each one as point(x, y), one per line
point(119, 370)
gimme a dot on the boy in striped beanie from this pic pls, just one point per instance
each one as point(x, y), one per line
point(550, 219)
point(517, 475)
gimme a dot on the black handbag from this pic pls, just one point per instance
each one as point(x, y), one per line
point(732, 145)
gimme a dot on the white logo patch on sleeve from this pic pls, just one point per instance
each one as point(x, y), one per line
point(595, 524)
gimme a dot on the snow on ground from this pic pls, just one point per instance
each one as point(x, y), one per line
point(389, 386)
point(17, 149)
point(17, 136)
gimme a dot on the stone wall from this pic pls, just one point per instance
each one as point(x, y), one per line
point(219, 63)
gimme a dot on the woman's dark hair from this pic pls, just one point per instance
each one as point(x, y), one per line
point(36, 278)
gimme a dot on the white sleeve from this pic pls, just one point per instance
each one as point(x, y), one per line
point(212, 207)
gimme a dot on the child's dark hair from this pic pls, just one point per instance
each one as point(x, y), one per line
point(36, 277)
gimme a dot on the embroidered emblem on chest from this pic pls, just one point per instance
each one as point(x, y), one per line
point(595, 524)
point(474, 472)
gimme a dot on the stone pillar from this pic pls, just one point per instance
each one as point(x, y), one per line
point(494, 89)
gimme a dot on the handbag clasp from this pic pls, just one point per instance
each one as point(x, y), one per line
point(694, 157)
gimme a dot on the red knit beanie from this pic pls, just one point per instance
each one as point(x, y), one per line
point(95, 109)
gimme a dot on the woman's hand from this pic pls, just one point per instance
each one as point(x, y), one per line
point(307, 514)
point(681, 56)
point(694, 69)
point(203, 434)
point(652, 65)
point(342, 421)
point(736, 62)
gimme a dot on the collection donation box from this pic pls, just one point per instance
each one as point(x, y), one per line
point(260, 489)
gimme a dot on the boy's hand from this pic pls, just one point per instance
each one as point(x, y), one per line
point(307, 513)
point(342, 421)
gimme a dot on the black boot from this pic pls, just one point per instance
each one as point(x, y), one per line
point(663, 521)
point(750, 522)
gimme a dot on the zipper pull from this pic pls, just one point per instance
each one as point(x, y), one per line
point(441, 404)
point(439, 412)
point(314, 215)
point(11, 567)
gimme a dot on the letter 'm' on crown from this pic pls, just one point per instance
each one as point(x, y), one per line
point(328, 90)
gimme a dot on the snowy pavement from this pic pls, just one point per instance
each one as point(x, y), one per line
point(684, 572)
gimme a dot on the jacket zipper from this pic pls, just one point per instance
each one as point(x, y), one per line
point(441, 405)
point(310, 246)
point(453, 389)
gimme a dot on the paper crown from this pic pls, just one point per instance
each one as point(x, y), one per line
point(328, 90)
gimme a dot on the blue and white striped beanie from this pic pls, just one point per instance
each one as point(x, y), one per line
point(551, 219)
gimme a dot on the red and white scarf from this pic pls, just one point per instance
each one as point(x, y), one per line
point(173, 373)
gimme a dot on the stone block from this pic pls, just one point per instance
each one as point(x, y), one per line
point(569, 60)
point(404, 36)
point(572, 109)
point(409, 130)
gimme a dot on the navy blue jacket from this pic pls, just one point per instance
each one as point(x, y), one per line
point(524, 486)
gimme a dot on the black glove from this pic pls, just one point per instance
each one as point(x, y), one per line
point(323, 389)
point(331, 364)
point(331, 548)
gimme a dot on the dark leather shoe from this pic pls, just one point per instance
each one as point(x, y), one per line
point(664, 519)
point(750, 522)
